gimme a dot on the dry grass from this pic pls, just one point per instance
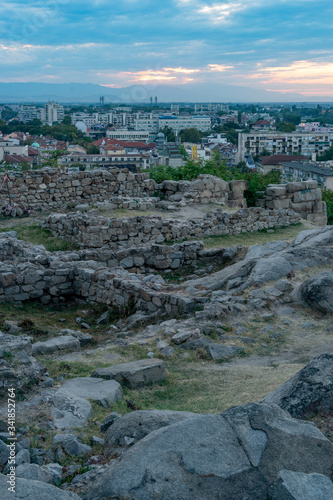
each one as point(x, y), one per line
point(256, 238)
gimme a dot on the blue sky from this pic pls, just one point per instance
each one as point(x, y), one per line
point(280, 45)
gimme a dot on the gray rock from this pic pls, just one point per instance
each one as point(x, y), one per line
point(55, 470)
point(109, 420)
point(196, 344)
point(71, 445)
point(134, 374)
point(309, 390)
point(168, 351)
point(21, 457)
point(63, 343)
point(316, 292)
point(28, 489)
point(104, 392)
point(4, 453)
point(233, 455)
point(70, 411)
point(219, 351)
point(185, 335)
point(83, 337)
point(292, 485)
point(138, 424)
point(104, 319)
point(257, 251)
point(35, 472)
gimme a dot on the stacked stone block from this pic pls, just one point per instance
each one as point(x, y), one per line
point(305, 198)
point(205, 189)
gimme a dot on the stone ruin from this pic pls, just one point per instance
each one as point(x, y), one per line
point(305, 198)
point(262, 452)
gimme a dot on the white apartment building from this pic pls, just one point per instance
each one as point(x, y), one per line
point(307, 144)
point(28, 113)
point(52, 113)
point(178, 123)
point(314, 127)
point(129, 135)
point(86, 118)
point(148, 122)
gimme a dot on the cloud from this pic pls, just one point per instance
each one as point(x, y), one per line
point(219, 67)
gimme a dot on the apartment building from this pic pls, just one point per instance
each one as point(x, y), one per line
point(52, 113)
point(138, 160)
point(28, 113)
point(130, 135)
point(178, 123)
point(303, 171)
point(307, 144)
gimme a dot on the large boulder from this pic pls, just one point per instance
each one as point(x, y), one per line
point(237, 454)
point(309, 390)
point(35, 472)
point(104, 392)
point(134, 374)
point(316, 292)
point(292, 485)
point(28, 489)
point(136, 425)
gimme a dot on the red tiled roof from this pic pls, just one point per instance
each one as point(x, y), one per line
point(276, 159)
point(17, 158)
point(261, 122)
point(124, 144)
point(32, 152)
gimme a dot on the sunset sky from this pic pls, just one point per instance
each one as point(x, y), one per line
point(279, 45)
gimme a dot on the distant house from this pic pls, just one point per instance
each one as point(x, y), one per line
point(303, 171)
point(268, 163)
point(18, 160)
point(262, 125)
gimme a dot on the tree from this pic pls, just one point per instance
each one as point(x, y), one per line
point(191, 135)
point(169, 134)
point(286, 127)
point(327, 155)
point(92, 149)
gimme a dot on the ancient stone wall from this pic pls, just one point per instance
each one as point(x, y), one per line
point(91, 281)
point(305, 198)
point(44, 189)
point(205, 189)
point(93, 231)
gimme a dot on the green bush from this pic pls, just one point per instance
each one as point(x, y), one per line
point(217, 167)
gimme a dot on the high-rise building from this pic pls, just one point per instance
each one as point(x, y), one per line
point(52, 112)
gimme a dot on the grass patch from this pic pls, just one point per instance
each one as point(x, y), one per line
point(38, 320)
point(255, 238)
point(123, 212)
point(33, 233)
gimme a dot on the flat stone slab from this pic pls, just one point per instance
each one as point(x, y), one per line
point(63, 343)
point(104, 392)
point(69, 411)
point(219, 351)
point(134, 374)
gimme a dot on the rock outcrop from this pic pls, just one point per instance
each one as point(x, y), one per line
point(236, 454)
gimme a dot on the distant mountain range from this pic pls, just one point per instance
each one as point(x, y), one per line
point(77, 93)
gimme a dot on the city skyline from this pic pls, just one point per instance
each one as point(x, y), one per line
point(276, 46)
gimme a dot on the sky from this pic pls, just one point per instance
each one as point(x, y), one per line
point(278, 45)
